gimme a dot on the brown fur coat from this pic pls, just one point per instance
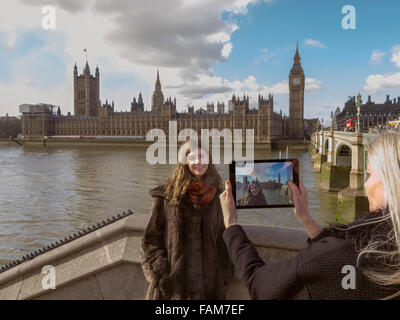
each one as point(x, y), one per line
point(183, 252)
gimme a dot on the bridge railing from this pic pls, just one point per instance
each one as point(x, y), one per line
point(105, 263)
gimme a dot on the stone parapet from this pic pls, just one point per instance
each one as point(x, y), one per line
point(105, 263)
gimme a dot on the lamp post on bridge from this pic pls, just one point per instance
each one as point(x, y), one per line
point(358, 106)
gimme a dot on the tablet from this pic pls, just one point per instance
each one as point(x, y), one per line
point(263, 183)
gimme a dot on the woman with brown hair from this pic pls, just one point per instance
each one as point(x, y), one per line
point(184, 255)
point(253, 195)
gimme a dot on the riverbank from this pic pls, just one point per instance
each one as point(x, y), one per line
point(275, 145)
point(8, 142)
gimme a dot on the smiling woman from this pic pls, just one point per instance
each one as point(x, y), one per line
point(184, 235)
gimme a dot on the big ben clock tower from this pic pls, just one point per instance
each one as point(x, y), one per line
point(296, 99)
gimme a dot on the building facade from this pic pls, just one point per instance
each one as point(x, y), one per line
point(10, 127)
point(37, 120)
point(86, 92)
point(93, 119)
point(371, 114)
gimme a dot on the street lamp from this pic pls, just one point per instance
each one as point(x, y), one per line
point(358, 105)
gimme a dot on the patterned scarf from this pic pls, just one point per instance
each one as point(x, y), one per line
point(201, 193)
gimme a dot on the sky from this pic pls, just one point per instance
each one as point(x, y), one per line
point(205, 51)
point(266, 171)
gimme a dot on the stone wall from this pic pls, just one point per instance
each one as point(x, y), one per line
point(105, 264)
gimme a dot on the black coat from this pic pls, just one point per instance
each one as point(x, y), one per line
point(183, 253)
point(318, 271)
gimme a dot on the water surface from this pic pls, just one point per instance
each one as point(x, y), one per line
point(48, 193)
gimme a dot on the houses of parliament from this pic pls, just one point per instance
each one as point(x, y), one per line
point(91, 118)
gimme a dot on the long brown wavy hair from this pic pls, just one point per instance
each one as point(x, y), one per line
point(247, 195)
point(177, 183)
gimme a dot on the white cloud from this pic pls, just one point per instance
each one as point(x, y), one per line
point(265, 56)
point(219, 37)
point(214, 89)
point(314, 43)
point(377, 56)
point(184, 40)
point(11, 39)
point(280, 87)
point(313, 85)
point(188, 36)
point(396, 55)
point(375, 82)
point(241, 6)
point(226, 50)
point(136, 38)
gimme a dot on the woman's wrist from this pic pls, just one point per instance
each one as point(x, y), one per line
point(312, 227)
point(231, 222)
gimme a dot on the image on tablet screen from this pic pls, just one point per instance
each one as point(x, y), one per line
point(267, 184)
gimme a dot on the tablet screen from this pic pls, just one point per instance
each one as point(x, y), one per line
point(264, 183)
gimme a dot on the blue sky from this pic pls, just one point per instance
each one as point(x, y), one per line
point(267, 171)
point(252, 51)
point(342, 66)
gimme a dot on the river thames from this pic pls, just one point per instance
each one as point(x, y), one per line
point(49, 193)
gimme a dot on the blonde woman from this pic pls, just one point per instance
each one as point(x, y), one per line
point(356, 261)
point(184, 255)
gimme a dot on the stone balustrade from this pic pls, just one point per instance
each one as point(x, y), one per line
point(105, 263)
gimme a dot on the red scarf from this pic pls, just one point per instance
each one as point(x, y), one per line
point(201, 193)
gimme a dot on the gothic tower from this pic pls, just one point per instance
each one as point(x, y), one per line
point(86, 92)
point(265, 118)
point(158, 97)
point(296, 99)
point(139, 105)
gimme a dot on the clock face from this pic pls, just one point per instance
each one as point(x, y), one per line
point(296, 80)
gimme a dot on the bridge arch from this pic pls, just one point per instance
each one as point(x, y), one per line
point(343, 155)
point(326, 146)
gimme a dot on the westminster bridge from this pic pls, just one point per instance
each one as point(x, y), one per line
point(341, 158)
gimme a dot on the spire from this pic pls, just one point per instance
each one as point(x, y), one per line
point(140, 100)
point(75, 70)
point(297, 59)
point(158, 83)
point(87, 69)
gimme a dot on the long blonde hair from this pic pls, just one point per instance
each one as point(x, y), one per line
point(384, 158)
point(177, 183)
